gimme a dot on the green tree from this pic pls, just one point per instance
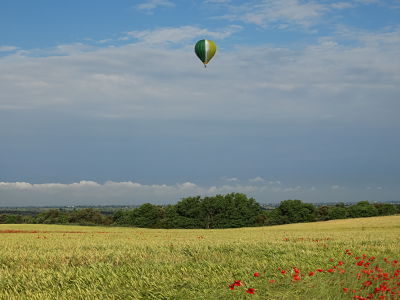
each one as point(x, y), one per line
point(274, 217)
point(230, 211)
point(385, 209)
point(12, 219)
point(171, 218)
point(220, 211)
point(237, 211)
point(120, 217)
point(188, 213)
point(338, 212)
point(323, 213)
point(362, 209)
point(147, 215)
point(87, 216)
point(52, 216)
point(210, 209)
point(295, 211)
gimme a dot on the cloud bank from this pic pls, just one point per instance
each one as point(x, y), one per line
point(133, 193)
point(326, 80)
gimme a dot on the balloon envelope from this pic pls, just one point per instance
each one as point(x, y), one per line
point(205, 50)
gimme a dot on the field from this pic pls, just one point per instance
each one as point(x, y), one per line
point(75, 262)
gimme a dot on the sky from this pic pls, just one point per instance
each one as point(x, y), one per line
point(105, 103)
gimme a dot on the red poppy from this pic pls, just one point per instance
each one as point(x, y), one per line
point(256, 274)
point(310, 273)
point(296, 277)
point(283, 272)
point(250, 291)
point(383, 287)
point(297, 271)
point(236, 283)
point(340, 263)
point(319, 270)
point(271, 280)
point(232, 286)
point(367, 283)
point(345, 290)
point(330, 270)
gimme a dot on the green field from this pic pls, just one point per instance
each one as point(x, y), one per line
point(76, 262)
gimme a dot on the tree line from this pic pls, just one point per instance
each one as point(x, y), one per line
point(221, 211)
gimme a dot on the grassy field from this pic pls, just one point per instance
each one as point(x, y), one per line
point(75, 262)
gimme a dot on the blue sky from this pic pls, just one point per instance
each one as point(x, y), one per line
point(105, 102)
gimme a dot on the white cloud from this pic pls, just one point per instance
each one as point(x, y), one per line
point(133, 193)
point(366, 1)
point(276, 182)
point(257, 179)
point(217, 1)
point(281, 13)
point(378, 188)
point(150, 5)
point(287, 14)
point(7, 48)
point(337, 187)
point(180, 34)
point(342, 5)
point(230, 179)
point(187, 186)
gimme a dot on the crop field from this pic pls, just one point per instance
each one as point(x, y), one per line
point(343, 259)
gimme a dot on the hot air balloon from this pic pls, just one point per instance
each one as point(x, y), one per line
point(205, 50)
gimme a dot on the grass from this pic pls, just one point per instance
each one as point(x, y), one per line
point(75, 262)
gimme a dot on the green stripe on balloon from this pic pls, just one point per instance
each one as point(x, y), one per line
point(200, 50)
